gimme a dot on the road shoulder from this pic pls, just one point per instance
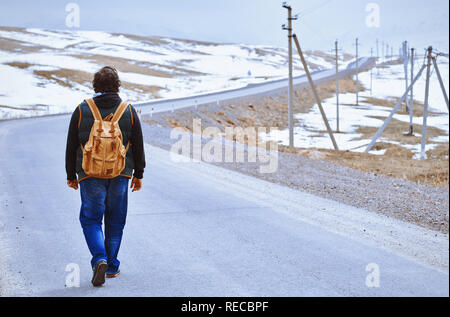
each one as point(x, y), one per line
point(425, 246)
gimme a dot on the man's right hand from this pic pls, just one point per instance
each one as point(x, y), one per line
point(73, 183)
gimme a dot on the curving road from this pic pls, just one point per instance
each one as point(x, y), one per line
point(161, 105)
point(199, 230)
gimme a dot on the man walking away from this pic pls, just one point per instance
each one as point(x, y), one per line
point(104, 149)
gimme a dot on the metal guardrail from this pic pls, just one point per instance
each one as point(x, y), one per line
point(162, 105)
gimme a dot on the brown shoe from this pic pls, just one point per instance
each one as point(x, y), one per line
point(112, 275)
point(98, 278)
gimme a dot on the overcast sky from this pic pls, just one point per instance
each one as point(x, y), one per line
point(248, 21)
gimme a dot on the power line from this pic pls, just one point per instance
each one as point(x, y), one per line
point(313, 8)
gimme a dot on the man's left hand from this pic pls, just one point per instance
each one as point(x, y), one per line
point(136, 184)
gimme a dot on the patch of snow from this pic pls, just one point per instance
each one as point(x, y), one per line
point(310, 130)
point(216, 66)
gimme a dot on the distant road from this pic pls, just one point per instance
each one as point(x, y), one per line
point(161, 105)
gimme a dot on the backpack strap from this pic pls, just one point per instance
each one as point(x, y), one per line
point(131, 114)
point(94, 109)
point(119, 111)
point(117, 115)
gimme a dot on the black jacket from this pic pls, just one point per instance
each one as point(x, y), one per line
point(106, 100)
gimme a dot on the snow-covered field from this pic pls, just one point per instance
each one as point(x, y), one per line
point(50, 72)
point(45, 72)
point(388, 84)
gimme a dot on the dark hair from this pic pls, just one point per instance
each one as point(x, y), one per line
point(106, 80)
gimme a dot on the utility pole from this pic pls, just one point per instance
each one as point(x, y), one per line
point(405, 66)
point(291, 85)
point(378, 57)
point(423, 154)
point(357, 71)
point(411, 98)
point(371, 72)
point(438, 73)
point(337, 86)
point(427, 66)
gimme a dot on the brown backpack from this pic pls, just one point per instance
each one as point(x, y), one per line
point(104, 153)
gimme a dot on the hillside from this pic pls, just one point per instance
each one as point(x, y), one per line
point(55, 68)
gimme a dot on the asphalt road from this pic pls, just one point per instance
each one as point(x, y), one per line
point(161, 105)
point(193, 230)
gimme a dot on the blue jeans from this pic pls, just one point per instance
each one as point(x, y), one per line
point(108, 198)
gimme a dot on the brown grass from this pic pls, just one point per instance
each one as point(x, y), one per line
point(418, 107)
point(395, 163)
point(264, 111)
point(157, 40)
point(327, 57)
point(20, 65)
point(66, 77)
point(256, 111)
point(132, 66)
point(14, 46)
point(397, 131)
